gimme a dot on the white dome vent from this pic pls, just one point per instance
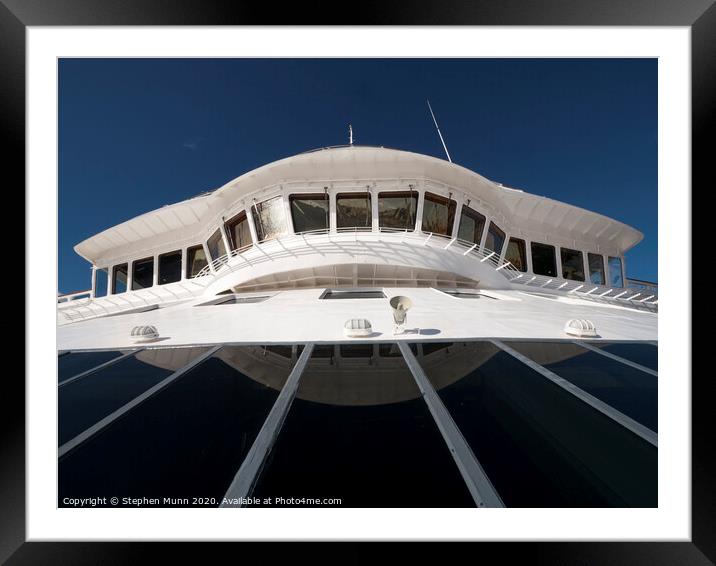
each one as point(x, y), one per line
point(356, 327)
point(144, 333)
point(580, 327)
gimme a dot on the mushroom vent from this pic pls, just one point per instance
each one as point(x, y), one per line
point(357, 327)
point(580, 327)
point(144, 333)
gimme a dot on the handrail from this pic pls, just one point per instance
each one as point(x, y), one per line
point(66, 297)
point(592, 292)
point(222, 265)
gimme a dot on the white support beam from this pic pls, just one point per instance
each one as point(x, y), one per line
point(109, 419)
point(616, 358)
point(245, 478)
point(483, 492)
point(99, 367)
point(617, 416)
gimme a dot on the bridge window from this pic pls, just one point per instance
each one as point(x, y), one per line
point(119, 278)
point(572, 264)
point(270, 219)
point(101, 282)
point(237, 230)
point(195, 260)
point(596, 269)
point(543, 260)
point(472, 224)
point(353, 210)
point(438, 214)
point(495, 238)
point(397, 209)
point(169, 267)
point(516, 254)
point(142, 273)
point(309, 212)
point(215, 243)
point(616, 279)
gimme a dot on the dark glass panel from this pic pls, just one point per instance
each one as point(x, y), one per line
point(119, 278)
point(84, 402)
point(195, 260)
point(215, 245)
point(616, 278)
point(472, 224)
point(397, 209)
point(75, 363)
point(187, 441)
point(539, 445)
point(629, 390)
point(353, 210)
point(495, 238)
point(170, 267)
point(101, 285)
point(543, 260)
point(572, 264)
point(142, 273)
point(269, 219)
point(596, 269)
point(337, 294)
point(393, 351)
point(646, 355)
point(238, 231)
point(363, 435)
point(309, 212)
point(516, 254)
point(438, 214)
point(356, 350)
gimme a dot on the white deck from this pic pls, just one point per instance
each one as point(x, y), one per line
point(299, 316)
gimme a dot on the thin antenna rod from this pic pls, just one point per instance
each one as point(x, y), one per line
point(350, 134)
point(438, 129)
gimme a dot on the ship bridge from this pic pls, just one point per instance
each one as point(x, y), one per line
point(355, 217)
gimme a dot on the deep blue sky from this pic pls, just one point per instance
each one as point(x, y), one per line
point(136, 134)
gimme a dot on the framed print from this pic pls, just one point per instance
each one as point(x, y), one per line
point(396, 280)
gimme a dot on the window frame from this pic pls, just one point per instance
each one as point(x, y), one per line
point(409, 195)
point(524, 253)
point(310, 196)
point(448, 202)
point(590, 255)
point(189, 261)
point(477, 217)
point(574, 252)
point(365, 196)
point(554, 258)
point(159, 266)
point(231, 223)
point(113, 280)
point(220, 243)
point(147, 260)
point(621, 272)
point(258, 209)
point(487, 237)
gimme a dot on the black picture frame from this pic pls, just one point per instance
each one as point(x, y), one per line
point(17, 15)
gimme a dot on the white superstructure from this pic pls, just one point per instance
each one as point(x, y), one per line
point(358, 218)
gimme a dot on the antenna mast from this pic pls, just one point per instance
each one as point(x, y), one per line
point(438, 129)
point(350, 134)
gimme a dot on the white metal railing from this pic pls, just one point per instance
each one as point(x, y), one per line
point(642, 300)
point(82, 309)
point(74, 296)
point(268, 250)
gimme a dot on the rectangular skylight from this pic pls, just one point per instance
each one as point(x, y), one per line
point(353, 294)
point(465, 293)
point(236, 300)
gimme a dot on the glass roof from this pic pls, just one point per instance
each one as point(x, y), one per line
point(351, 426)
